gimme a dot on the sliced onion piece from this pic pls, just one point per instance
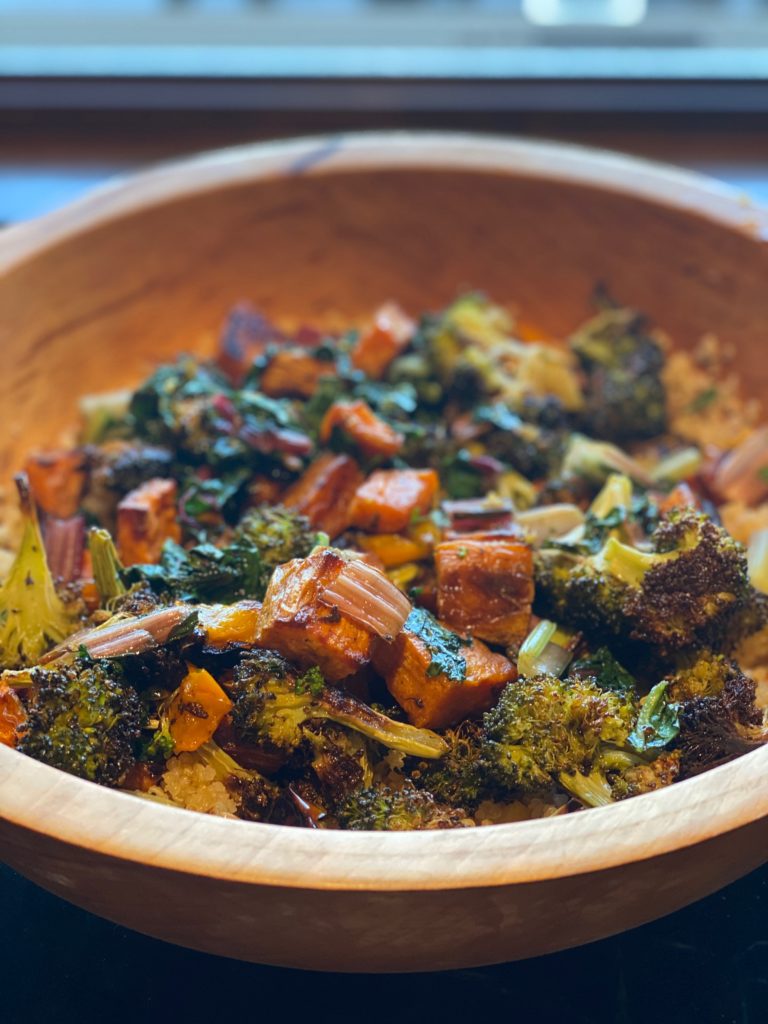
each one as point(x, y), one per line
point(544, 651)
point(550, 521)
point(64, 545)
point(757, 561)
point(743, 473)
point(365, 595)
point(469, 515)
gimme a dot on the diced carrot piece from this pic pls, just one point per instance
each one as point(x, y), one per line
point(389, 498)
point(13, 717)
point(57, 480)
point(224, 624)
point(485, 586)
point(325, 492)
point(393, 549)
point(679, 497)
point(384, 340)
point(146, 518)
point(295, 622)
point(294, 373)
point(437, 702)
point(196, 709)
point(359, 422)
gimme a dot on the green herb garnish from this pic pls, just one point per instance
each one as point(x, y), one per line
point(443, 645)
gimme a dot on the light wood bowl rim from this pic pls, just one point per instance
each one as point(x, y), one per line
point(43, 800)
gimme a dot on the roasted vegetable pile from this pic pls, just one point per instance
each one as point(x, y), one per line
point(427, 574)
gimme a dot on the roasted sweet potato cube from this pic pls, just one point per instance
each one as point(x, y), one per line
point(436, 701)
point(389, 498)
point(295, 621)
point(325, 492)
point(57, 479)
point(386, 337)
point(146, 519)
point(485, 586)
point(361, 424)
point(294, 373)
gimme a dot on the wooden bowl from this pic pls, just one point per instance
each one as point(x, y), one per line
point(93, 296)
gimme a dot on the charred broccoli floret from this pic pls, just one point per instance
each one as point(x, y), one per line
point(624, 393)
point(458, 779)
point(646, 778)
point(32, 615)
point(279, 534)
point(272, 705)
point(84, 719)
point(682, 594)
point(380, 809)
point(525, 447)
point(718, 728)
point(701, 675)
point(341, 761)
point(545, 729)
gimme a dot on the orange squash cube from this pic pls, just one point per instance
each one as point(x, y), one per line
point(485, 586)
point(146, 519)
point(388, 335)
point(389, 499)
point(325, 492)
point(437, 701)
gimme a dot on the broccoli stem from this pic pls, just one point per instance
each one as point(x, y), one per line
point(345, 710)
point(627, 563)
point(593, 789)
point(106, 565)
point(32, 615)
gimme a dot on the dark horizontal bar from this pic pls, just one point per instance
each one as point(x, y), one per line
point(366, 94)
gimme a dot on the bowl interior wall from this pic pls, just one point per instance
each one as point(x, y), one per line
point(100, 309)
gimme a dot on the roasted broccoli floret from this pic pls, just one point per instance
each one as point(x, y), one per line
point(273, 706)
point(645, 778)
point(681, 594)
point(340, 759)
point(279, 534)
point(458, 779)
point(544, 729)
point(703, 674)
point(84, 719)
point(379, 809)
point(264, 539)
point(525, 447)
point(624, 393)
point(32, 615)
point(718, 728)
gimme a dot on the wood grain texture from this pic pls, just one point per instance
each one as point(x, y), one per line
point(323, 230)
